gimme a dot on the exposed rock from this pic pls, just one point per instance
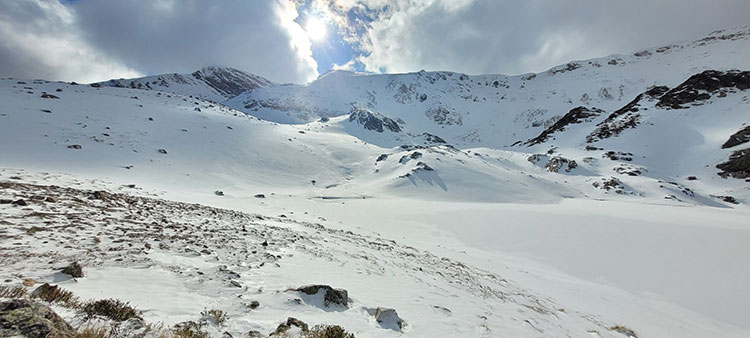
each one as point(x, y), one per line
point(574, 116)
point(259, 196)
point(21, 317)
point(609, 184)
point(700, 87)
point(101, 195)
point(740, 137)
point(162, 151)
point(74, 270)
point(430, 138)
point(20, 202)
point(332, 296)
point(625, 117)
point(388, 318)
point(49, 96)
point(443, 115)
point(382, 157)
point(373, 121)
point(291, 321)
point(219, 193)
point(556, 163)
point(738, 165)
point(423, 166)
point(74, 146)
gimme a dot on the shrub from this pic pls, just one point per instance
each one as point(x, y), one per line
point(327, 331)
point(189, 329)
point(110, 308)
point(218, 317)
point(12, 292)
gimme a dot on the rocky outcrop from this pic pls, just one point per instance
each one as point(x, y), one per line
point(574, 116)
point(701, 87)
point(625, 117)
point(443, 115)
point(21, 317)
point(388, 318)
point(286, 326)
point(373, 121)
point(738, 165)
point(740, 137)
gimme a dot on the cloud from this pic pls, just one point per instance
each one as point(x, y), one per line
point(89, 40)
point(503, 36)
point(39, 39)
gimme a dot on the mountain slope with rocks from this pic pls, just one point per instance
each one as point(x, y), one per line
point(581, 201)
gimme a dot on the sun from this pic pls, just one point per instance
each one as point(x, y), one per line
point(315, 29)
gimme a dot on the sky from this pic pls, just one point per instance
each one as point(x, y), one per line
point(295, 41)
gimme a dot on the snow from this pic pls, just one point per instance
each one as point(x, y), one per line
point(486, 243)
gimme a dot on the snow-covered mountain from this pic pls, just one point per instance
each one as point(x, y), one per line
point(606, 197)
point(211, 83)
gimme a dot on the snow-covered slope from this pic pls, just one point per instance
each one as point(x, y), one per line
point(582, 201)
point(210, 83)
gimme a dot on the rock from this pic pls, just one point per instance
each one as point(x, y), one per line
point(20, 203)
point(291, 321)
point(740, 137)
point(373, 121)
point(254, 304)
point(255, 334)
point(219, 193)
point(50, 199)
point(738, 165)
point(22, 317)
point(29, 282)
point(95, 85)
point(74, 270)
point(74, 146)
point(388, 318)
point(382, 157)
point(700, 87)
point(162, 151)
point(692, 178)
point(332, 296)
point(415, 155)
point(4, 201)
point(556, 163)
point(235, 284)
point(260, 196)
point(424, 166)
point(574, 116)
point(49, 96)
point(101, 195)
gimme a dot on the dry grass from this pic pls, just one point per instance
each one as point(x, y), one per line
point(327, 331)
point(92, 332)
point(57, 295)
point(12, 291)
point(109, 308)
point(218, 317)
point(188, 330)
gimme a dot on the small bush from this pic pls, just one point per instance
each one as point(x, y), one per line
point(55, 294)
point(110, 308)
point(327, 331)
point(189, 330)
point(218, 317)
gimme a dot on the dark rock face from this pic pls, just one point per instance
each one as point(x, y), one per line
point(430, 138)
point(610, 184)
point(373, 121)
point(49, 96)
point(332, 296)
point(701, 87)
point(21, 317)
point(382, 157)
point(574, 116)
point(740, 137)
point(230, 82)
point(74, 146)
point(738, 165)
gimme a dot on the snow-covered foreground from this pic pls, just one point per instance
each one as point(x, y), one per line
point(615, 219)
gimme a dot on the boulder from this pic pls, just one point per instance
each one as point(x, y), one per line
point(388, 318)
point(291, 321)
point(74, 270)
point(332, 296)
point(21, 317)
